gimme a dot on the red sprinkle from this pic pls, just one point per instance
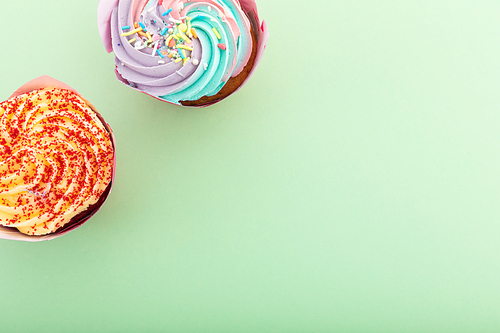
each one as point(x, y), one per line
point(222, 46)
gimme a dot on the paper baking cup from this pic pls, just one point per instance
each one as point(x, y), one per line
point(105, 9)
point(12, 233)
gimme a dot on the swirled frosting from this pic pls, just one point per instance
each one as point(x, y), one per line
point(179, 50)
point(56, 159)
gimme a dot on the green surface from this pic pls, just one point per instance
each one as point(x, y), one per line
point(351, 186)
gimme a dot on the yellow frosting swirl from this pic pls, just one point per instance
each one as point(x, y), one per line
point(56, 159)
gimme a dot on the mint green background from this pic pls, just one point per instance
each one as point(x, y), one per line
point(351, 186)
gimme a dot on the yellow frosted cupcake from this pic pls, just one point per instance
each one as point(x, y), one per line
point(56, 161)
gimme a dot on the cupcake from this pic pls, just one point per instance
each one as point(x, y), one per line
point(189, 53)
point(56, 161)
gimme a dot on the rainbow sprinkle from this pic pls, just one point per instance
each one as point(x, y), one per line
point(189, 48)
point(181, 53)
point(193, 32)
point(216, 33)
point(125, 34)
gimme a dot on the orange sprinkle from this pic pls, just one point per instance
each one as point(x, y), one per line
point(194, 33)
